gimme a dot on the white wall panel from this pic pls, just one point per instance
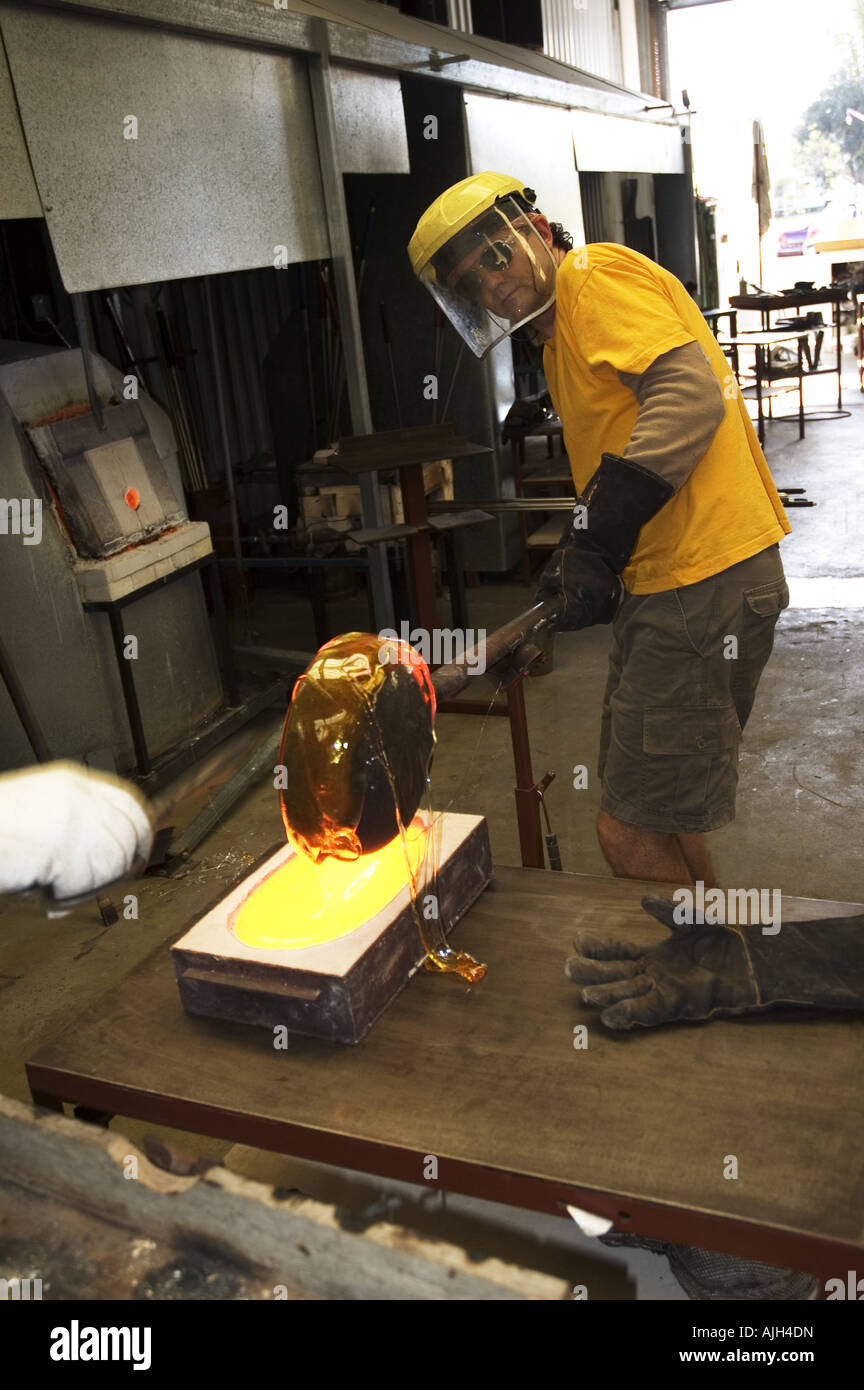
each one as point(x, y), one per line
point(533, 143)
point(613, 143)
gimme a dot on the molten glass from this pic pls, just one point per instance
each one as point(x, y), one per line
point(355, 753)
point(305, 904)
point(356, 746)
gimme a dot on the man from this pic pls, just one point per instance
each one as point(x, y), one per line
point(674, 540)
point(675, 536)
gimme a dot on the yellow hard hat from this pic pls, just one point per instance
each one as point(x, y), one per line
point(454, 210)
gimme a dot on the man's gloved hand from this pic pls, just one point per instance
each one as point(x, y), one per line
point(596, 545)
point(716, 972)
point(589, 590)
point(68, 828)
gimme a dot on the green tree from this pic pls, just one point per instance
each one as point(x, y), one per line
point(828, 145)
point(841, 145)
point(820, 159)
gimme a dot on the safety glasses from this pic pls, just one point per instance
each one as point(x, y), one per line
point(496, 257)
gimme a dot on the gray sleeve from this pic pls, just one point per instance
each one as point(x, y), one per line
point(681, 407)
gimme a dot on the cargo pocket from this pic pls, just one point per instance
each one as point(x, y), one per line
point(768, 600)
point(761, 608)
point(690, 767)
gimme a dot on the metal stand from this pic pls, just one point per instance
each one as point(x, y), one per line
point(510, 654)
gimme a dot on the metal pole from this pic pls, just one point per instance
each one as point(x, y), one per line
point(527, 796)
point(23, 708)
point(346, 298)
point(449, 680)
point(226, 448)
point(80, 314)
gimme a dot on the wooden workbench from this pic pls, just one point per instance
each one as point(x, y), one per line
point(637, 1127)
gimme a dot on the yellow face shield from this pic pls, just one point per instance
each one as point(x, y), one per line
point(492, 276)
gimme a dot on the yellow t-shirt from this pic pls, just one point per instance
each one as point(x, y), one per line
point(617, 311)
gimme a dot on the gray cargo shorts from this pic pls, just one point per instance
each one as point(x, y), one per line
point(683, 673)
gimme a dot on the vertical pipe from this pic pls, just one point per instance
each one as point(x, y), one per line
point(130, 695)
point(255, 408)
point(527, 798)
point(226, 445)
point(23, 708)
point(80, 312)
point(419, 545)
point(236, 380)
point(346, 295)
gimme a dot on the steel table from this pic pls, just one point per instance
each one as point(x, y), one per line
point(638, 1127)
point(768, 303)
point(762, 342)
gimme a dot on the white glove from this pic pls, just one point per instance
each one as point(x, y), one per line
point(65, 827)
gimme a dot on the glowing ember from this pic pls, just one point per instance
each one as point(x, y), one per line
point(305, 904)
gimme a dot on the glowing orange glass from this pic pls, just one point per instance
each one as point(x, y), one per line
point(305, 904)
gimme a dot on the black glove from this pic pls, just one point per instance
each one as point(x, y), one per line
point(620, 497)
point(715, 972)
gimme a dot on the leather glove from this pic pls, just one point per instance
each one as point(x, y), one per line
point(65, 827)
point(717, 972)
point(583, 571)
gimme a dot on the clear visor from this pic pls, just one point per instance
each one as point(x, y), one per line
point(492, 277)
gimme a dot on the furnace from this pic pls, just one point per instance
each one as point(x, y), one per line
point(117, 558)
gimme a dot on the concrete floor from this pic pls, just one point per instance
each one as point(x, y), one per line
point(799, 812)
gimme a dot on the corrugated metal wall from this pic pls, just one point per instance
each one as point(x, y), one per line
point(591, 188)
point(585, 35)
point(459, 15)
point(250, 310)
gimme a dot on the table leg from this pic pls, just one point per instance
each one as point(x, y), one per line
point(527, 800)
point(419, 546)
point(517, 455)
point(800, 390)
point(456, 580)
point(43, 1101)
point(88, 1116)
point(760, 417)
point(318, 600)
point(839, 358)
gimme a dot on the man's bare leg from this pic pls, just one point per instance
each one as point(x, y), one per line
point(698, 860)
point(633, 852)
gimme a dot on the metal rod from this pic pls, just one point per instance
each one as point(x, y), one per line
point(226, 445)
point(527, 800)
point(80, 314)
point(453, 381)
point(389, 346)
point(505, 504)
point(450, 679)
point(307, 349)
point(346, 294)
point(419, 546)
point(130, 695)
point(304, 562)
point(23, 708)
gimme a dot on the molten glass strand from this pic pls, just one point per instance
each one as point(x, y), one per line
point(440, 955)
